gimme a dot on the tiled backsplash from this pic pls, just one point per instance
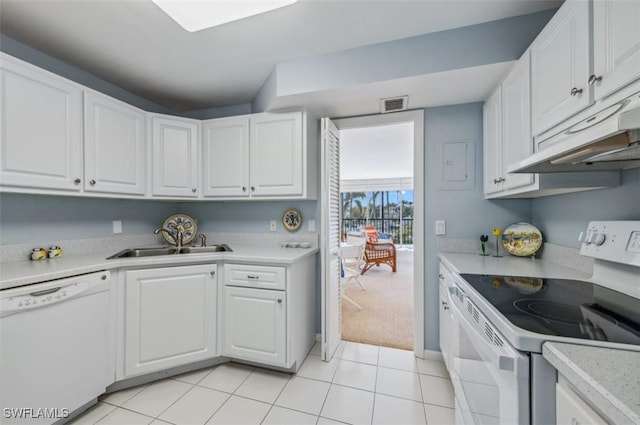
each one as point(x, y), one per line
point(21, 252)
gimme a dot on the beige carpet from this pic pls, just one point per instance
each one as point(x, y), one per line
point(386, 318)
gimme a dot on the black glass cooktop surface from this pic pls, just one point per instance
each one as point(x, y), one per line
point(561, 307)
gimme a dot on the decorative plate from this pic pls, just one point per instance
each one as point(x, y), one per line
point(521, 239)
point(180, 222)
point(524, 285)
point(292, 220)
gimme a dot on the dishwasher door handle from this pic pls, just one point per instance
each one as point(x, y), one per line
point(45, 292)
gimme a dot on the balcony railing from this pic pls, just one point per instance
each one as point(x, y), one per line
point(401, 230)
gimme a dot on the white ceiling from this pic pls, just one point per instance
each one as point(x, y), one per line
point(380, 152)
point(135, 45)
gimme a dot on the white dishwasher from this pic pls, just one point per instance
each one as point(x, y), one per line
point(53, 351)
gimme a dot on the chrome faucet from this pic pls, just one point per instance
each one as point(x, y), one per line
point(177, 238)
point(167, 231)
point(203, 239)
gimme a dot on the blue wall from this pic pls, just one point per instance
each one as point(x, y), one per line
point(246, 217)
point(30, 218)
point(467, 213)
point(561, 218)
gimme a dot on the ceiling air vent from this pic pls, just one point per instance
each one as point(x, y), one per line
point(394, 104)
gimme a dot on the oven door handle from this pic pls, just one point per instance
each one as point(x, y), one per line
point(504, 356)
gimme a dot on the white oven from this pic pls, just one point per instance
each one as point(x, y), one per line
point(493, 326)
point(490, 377)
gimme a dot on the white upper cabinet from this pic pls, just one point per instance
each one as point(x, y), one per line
point(226, 157)
point(507, 133)
point(517, 141)
point(560, 61)
point(41, 122)
point(276, 154)
point(114, 156)
point(492, 149)
point(256, 156)
point(175, 158)
point(616, 45)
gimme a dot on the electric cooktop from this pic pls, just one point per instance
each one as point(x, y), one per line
point(561, 307)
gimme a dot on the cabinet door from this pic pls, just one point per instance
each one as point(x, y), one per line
point(170, 317)
point(41, 121)
point(276, 155)
point(445, 321)
point(616, 45)
point(255, 325)
point(114, 148)
point(492, 149)
point(226, 157)
point(571, 409)
point(175, 157)
point(560, 64)
point(517, 143)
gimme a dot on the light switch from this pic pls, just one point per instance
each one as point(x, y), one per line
point(311, 225)
point(117, 227)
point(273, 226)
point(441, 228)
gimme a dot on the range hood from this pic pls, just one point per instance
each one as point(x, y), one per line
point(606, 140)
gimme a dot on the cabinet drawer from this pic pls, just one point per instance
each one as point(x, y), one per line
point(265, 277)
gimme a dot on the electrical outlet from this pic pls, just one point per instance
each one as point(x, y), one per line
point(117, 227)
point(273, 226)
point(441, 228)
point(311, 225)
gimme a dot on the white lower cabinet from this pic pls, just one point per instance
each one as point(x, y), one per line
point(269, 313)
point(169, 317)
point(255, 323)
point(571, 409)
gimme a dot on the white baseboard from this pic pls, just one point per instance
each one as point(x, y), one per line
point(433, 355)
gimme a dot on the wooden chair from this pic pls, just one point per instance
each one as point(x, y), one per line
point(379, 253)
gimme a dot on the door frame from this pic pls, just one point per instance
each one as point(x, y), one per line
point(417, 117)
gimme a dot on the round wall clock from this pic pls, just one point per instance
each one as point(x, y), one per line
point(292, 220)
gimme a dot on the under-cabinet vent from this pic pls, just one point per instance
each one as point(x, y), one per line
point(394, 104)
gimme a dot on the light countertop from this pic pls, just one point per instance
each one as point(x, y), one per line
point(606, 378)
point(27, 272)
point(509, 266)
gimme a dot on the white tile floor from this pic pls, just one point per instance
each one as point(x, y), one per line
point(364, 384)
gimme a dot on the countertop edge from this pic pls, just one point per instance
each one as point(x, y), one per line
point(604, 401)
point(29, 272)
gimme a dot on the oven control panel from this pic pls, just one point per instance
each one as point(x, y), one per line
point(617, 241)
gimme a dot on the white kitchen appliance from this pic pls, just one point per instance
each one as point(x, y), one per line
point(53, 350)
point(498, 324)
point(608, 139)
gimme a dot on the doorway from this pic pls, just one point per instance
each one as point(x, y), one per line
point(376, 185)
point(329, 309)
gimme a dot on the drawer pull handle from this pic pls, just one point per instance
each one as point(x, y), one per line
point(252, 276)
point(279, 301)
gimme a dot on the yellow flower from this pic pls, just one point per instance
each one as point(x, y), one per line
point(496, 232)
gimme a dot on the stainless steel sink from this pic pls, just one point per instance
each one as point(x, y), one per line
point(168, 250)
point(204, 249)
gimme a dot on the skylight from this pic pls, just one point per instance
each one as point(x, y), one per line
point(196, 15)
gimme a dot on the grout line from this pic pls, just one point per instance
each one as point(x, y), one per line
point(170, 405)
